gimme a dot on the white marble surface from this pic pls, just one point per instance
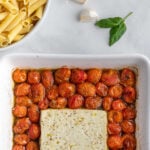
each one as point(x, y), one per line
point(61, 31)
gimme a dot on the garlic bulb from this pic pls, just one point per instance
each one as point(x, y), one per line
point(81, 1)
point(88, 15)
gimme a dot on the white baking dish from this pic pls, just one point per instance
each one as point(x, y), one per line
point(10, 62)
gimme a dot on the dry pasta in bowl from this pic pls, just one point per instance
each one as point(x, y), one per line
point(17, 18)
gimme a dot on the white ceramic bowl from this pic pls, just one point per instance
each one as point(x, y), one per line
point(9, 62)
point(32, 32)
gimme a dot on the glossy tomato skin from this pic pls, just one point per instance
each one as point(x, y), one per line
point(32, 146)
point(47, 78)
point(101, 89)
point(20, 111)
point(23, 101)
point(129, 113)
point(52, 93)
point(114, 129)
point(115, 116)
point(118, 105)
point(107, 102)
point(21, 139)
point(19, 75)
point(18, 147)
point(44, 104)
point(94, 75)
point(34, 131)
point(62, 75)
point(75, 101)
point(128, 77)
point(128, 126)
point(34, 77)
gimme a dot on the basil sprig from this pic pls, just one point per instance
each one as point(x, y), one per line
point(117, 27)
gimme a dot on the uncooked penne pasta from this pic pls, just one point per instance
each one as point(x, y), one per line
point(35, 6)
point(6, 22)
point(10, 7)
point(14, 2)
point(38, 14)
point(3, 15)
point(26, 30)
point(32, 2)
point(3, 41)
point(13, 33)
point(21, 16)
point(18, 38)
point(26, 2)
point(26, 22)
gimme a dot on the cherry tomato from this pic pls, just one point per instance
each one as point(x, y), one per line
point(86, 89)
point(107, 101)
point(34, 131)
point(52, 93)
point(115, 116)
point(20, 111)
point(115, 91)
point(78, 76)
point(129, 142)
point(22, 89)
point(110, 77)
point(21, 139)
point(118, 104)
point(101, 89)
point(114, 128)
point(129, 113)
point(47, 78)
point(23, 101)
point(129, 94)
point(19, 75)
point(33, 113)
point(62, 75)
point(127, 77)
point(94, 75)
point(21, 125)
point(34, 77)
point(114, 142)
point(37, 92)
point(32, 146)
point(43, 104)
point(58, 103)
point(18, 147)
point(93, 102)
point(128, 126)
point(75, 101)
point(66, 89)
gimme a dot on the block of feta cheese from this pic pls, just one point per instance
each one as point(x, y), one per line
point(67, 129)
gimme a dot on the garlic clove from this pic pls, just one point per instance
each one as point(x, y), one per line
point(88, 15)
point(80, 1)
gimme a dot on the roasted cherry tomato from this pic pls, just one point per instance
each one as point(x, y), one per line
point(93, 102)
point(21, 125)
point(129, 94)
point(127, 77)
point(115, 116)
point(128, 126)
point(86, 89)
point(75, 101)
point(18, 147)
point(101, 89)
point(20, 111)
point(43, 104)
point(129, 113)
point(34, 131)
point(21, 139)
point(58, 103)
point(118, 104)
point(114, 142)
point(33, 113)
point(34, 77)
point(32, 146)
point(62, 75)
point(114, 128)
point(107, 101)
point(129, 142)
point(37, 92)
point(22, 89)
point(19, 75)
point(52, 93)
point(115, 91)
point(66, 89)
point(110, 77)
point(78, 76)
point(47, 78)
point(23, 101)
point(94, 75)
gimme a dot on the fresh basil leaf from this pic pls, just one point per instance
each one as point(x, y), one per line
point(116, 33)
point(109, 22)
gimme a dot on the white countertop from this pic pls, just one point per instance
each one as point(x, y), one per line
point(62, 33)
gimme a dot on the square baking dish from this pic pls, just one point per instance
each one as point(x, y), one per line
point(9, 62)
